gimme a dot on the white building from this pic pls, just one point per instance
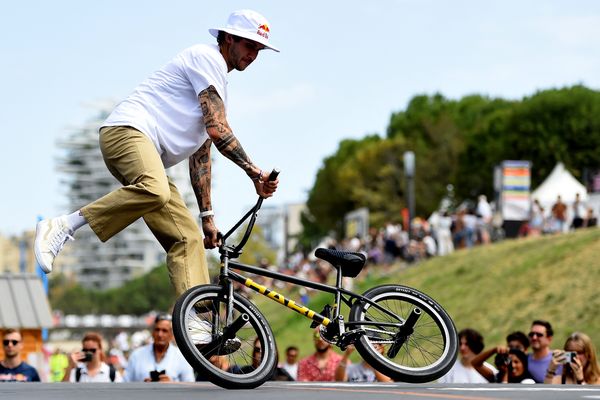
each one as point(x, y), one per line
point(85, 177)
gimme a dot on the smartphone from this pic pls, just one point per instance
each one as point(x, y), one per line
point(155, 375)
point(87, 357)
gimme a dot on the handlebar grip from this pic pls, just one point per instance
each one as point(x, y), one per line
point(273, 175)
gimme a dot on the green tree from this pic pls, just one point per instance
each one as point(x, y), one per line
point(151, 291)
point(330, 197)
point(550, 126)
point(458, 142)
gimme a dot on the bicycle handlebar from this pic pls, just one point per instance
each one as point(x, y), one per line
point(253, 212)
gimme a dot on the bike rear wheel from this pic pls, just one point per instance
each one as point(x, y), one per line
point(199, 317)
point(429, 348)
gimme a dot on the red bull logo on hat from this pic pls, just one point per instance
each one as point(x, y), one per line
point(263, 31)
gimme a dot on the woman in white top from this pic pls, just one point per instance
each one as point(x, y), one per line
point(88, 364)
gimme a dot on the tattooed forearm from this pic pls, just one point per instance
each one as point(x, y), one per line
point(220, 132)
point(200, 166)
point(231, 148)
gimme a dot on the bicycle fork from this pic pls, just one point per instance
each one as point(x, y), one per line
point(218, 346)
point(404, 332)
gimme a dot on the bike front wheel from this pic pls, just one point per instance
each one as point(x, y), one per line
point(422, 353)
point(242, 360)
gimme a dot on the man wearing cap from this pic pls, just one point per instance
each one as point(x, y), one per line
point(176, 114)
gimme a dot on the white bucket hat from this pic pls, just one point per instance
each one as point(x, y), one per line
point(247, 24)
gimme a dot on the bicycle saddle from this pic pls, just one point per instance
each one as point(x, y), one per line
point(350, 263)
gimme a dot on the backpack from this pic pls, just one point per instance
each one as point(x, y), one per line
point(112, 373)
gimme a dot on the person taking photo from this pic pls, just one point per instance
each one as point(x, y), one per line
point(87, 364)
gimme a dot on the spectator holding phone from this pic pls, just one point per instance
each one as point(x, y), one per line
point(579, 362)
point(88, 364)
point(160, 361)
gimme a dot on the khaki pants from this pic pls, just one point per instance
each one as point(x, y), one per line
point(148, 193)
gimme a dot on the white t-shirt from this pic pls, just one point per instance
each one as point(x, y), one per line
point(165, 107)
point(461, 374)
point(291, 369)
point(103, 375)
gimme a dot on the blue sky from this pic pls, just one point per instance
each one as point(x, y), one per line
point(345, 66)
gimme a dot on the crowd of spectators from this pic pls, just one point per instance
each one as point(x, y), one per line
point(530, 358)
point(469, 224)
point(526, 359)
point(559, 217)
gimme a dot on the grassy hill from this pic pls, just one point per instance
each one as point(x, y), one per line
point(495, 289)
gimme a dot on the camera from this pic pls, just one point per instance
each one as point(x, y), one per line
point(569, 357)
point(502, 359)
point(87, 356)
point(155, 375)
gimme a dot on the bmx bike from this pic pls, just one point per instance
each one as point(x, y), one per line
point(399, 331)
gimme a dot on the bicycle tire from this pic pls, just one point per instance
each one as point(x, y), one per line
point(208, 303)
point(428, 353)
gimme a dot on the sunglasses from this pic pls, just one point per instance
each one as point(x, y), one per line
point(89, 350)
point(535, 334)
point(14, 342)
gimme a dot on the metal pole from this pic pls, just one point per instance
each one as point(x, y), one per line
point(409, 172)
point(411, 201)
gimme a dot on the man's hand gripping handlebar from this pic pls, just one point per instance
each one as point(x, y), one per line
point(235, 250)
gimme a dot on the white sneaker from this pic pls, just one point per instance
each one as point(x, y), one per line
point(199, 331)
point(50, 237)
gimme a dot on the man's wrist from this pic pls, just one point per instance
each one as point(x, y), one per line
point(206, 214)
point(258, 177)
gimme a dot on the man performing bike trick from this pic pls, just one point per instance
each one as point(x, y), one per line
point(177, 113)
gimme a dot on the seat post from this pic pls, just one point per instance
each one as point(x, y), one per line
point(338, 294)
point(338, 277)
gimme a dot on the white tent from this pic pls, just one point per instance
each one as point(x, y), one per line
point(559, 182)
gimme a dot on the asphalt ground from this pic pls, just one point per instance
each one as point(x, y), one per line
point(292, 391)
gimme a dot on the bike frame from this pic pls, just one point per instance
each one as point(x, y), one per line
point(341, 294)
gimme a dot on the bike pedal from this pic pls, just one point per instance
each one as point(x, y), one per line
point(350, 337)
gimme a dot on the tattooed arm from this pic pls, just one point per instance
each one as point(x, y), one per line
point(220, 133)
point(200, 166)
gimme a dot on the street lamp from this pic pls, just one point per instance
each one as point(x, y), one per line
point(409, 172)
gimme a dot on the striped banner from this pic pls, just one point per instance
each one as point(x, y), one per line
point(515, 190)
